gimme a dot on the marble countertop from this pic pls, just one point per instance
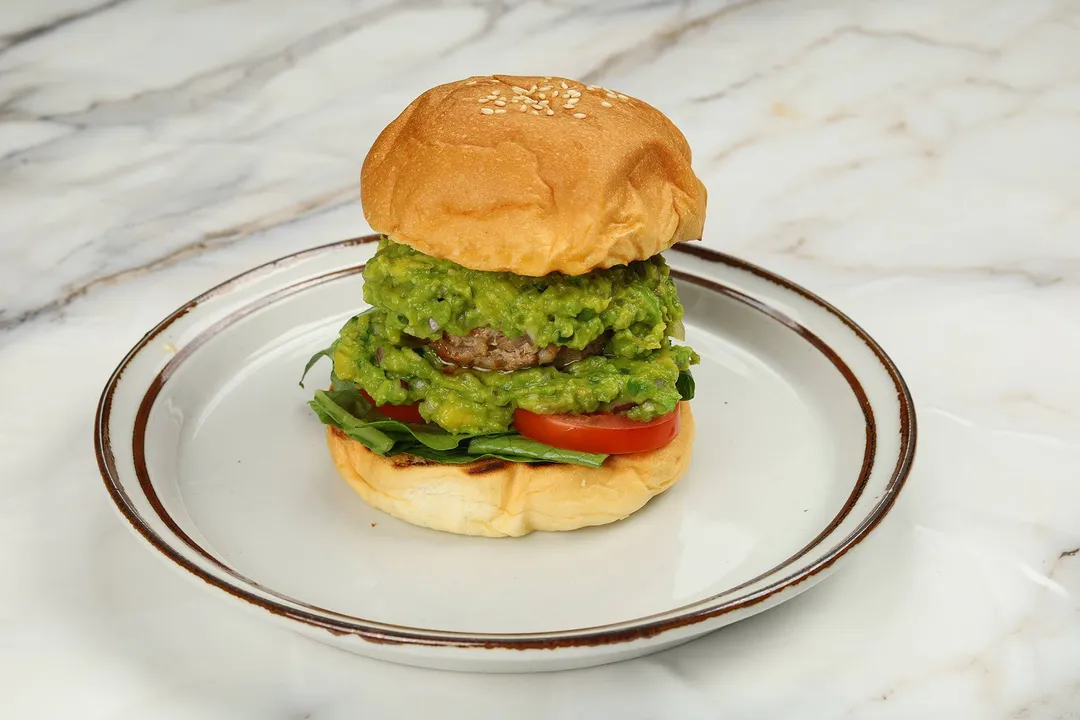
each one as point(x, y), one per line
point(916, 163)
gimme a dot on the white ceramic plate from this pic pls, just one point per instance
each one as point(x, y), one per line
point(805, 434)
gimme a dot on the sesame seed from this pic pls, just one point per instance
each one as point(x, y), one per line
point(518, 90)
point(574, 93)
point(611, 95)
point(546, 88)
point(487, 111)
point(541, 95)
point(535, 112)
point(622, 97)
point(471, 82)
point(500, 111)
point(532, 89)
point(523, 108)
point(496, 91)
point(591, 87)
point(606, 104)
point(549, 111)
point(500, 102)
point(567, 106)
point(579, 115)
point(564, 85)
point(543, 102)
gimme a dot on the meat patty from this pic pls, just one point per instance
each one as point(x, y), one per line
point(489, 349)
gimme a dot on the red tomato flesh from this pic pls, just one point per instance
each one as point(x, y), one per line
point(401, 413)
point(599, 433)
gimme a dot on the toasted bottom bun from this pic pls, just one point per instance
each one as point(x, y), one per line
point(495, 498)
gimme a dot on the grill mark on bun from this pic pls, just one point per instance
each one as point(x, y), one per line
point(403, 460)
point(484, 466)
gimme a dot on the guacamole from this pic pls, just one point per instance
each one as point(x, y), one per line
point(468, 401)
point(387, 351)
point(425, 297)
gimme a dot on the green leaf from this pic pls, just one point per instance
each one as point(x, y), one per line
point(458, 456)
point(429, 436)
point(327, 352)
point(511, 448)
point(685, 385)
point(333, 414)
point(346, 398)
point(346, 408)
point(517, 446)
point(346, 395)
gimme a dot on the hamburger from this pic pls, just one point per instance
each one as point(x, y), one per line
point(520, 366)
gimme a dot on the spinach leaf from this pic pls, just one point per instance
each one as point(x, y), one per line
point(429, 436)
point(512, 448)
point(346, 408)
point(346, 394)
point(327, 352)
point(685, 385)
point(518, 447)
point(333, 414)
point(459, 456)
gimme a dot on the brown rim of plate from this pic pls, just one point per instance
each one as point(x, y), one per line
point(623, 631)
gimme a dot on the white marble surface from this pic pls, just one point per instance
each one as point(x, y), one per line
point(917, 163)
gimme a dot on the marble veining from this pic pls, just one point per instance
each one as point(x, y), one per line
point(916, 163)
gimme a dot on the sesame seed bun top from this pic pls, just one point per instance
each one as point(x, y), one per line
point(532, 175)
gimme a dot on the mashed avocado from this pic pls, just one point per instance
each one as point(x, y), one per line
point(425, 296)
point(416, 299)
point(468, 401)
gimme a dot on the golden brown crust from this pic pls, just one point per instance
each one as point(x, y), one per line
point(494, 498)
point(532, 193)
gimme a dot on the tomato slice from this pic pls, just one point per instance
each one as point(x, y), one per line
point(599, 433)
point(401, 413)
